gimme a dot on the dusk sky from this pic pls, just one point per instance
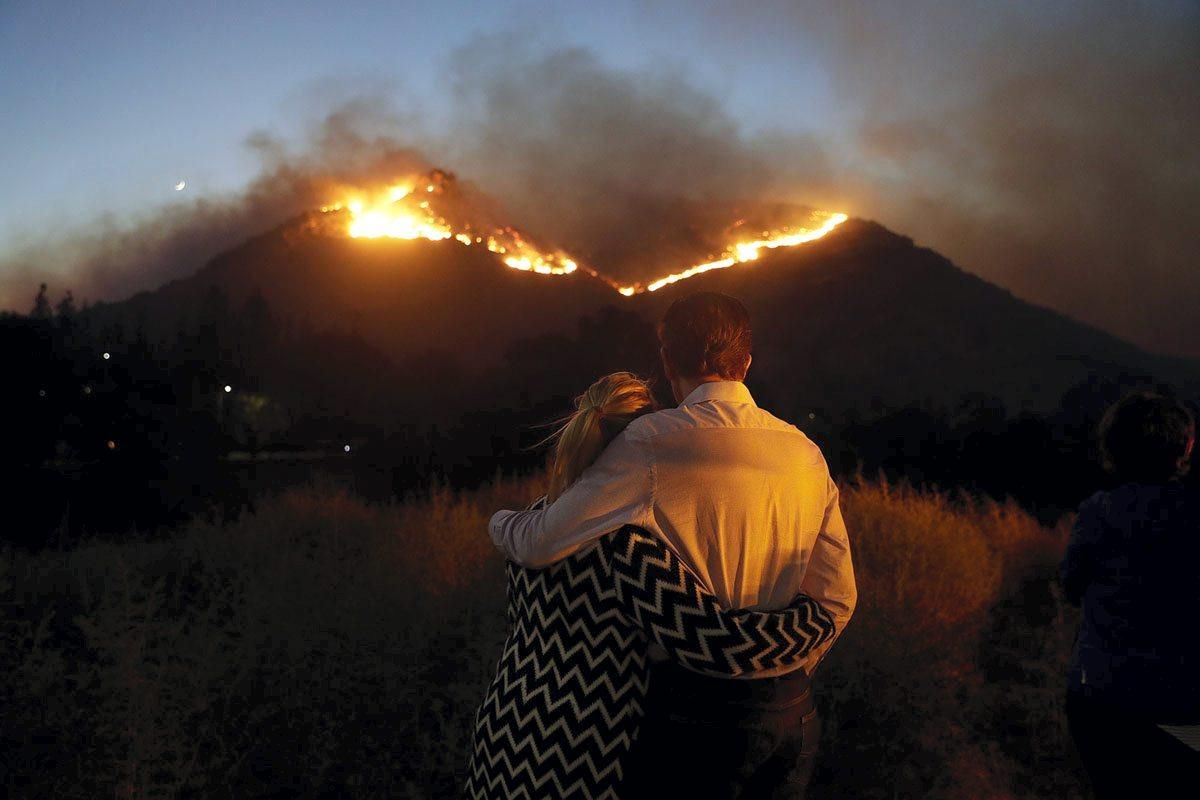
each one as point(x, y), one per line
point(1052, 152)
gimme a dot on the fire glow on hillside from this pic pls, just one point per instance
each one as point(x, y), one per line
point(741, 252)
point(406, 210)
point(411, 209)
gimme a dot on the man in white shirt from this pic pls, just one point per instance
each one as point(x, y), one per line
point(747, 502)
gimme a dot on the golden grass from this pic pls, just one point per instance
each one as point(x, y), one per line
point(905, 692)
point(320, 644)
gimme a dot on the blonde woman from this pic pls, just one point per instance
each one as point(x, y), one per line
point(562, 713)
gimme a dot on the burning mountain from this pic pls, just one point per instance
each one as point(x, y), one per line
point(433, 207)
point(847, 314)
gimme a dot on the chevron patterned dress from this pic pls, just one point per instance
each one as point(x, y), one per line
point(563, 711)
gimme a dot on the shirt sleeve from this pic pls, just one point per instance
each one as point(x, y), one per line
point(658, 594)
point(616, 490)
point(829, 578)
point(1078, 565)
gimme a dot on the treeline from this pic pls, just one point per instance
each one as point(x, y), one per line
point(104, 432)
point(118, 426)
point(114, 426)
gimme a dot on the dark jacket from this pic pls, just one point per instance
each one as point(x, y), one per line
point(1133, 564)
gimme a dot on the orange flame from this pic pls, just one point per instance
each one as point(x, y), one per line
point(741, 252)
point(399, 213)
point(403, 211)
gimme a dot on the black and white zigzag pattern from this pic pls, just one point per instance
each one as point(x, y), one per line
point(665, 600)
point(563, 710)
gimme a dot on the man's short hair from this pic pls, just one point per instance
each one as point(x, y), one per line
point(707, 334)
point(1145, 436)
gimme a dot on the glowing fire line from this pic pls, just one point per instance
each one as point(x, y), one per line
point(397, 213)
point(742, 252)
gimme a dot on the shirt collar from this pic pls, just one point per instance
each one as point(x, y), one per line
point(726, 391)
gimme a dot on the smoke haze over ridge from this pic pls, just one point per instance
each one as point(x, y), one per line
point(1050, 151)
point(1053, 149)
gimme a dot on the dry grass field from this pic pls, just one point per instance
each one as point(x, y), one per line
point(320, 646)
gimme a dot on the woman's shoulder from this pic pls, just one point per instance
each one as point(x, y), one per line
point(1131, 494)
point(1174, 492)
point(1134, 505)
point(1096, 506)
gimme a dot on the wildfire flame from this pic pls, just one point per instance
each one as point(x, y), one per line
point(406, 210)
point(741, 252)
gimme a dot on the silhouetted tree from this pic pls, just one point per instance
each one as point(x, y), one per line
point(41, 305)
point(66, 308)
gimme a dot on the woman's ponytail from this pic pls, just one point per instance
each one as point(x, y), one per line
point(600, 414)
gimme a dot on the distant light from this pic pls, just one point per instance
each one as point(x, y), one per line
point(346, 448)
point(41, 392)
point(107, 356)
point(111, 444)
point(228, 388)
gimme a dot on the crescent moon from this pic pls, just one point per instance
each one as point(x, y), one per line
point(179, 186)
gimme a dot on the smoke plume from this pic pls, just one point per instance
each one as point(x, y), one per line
point(631, 172)
point(1050, 149)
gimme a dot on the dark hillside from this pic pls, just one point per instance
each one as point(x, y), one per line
point(862, 319)
point(396, 364)
point(403, 297)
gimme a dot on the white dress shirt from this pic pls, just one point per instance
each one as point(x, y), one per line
point(743, 497)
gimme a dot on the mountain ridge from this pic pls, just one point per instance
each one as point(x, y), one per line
point(862, 318)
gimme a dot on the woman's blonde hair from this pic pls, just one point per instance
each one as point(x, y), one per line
point(600, 414)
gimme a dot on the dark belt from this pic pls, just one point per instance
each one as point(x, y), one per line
point(676, 686)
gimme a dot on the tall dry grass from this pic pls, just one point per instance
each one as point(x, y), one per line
point(919, 695)
point(317, 645)
point(321, 646)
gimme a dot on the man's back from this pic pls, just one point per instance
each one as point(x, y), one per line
point(741, 495)
point(744, 498)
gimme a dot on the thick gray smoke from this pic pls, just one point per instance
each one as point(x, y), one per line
point(1053, 148)
point(1050, 148)
point(621, 169)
